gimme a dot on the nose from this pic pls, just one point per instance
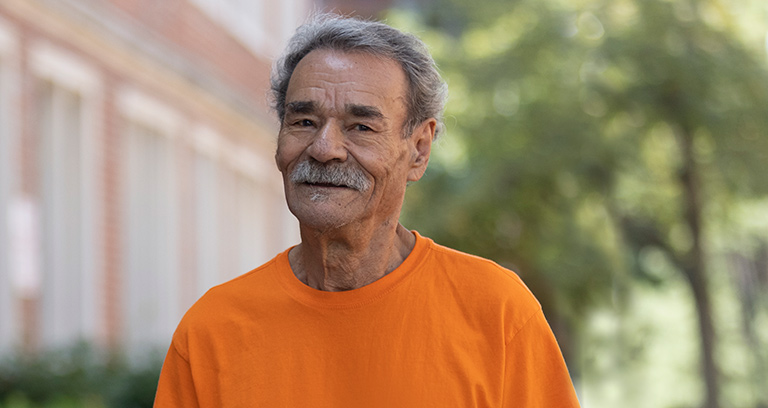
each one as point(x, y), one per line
point(328, 144)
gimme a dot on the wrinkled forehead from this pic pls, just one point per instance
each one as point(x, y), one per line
point(349, 81)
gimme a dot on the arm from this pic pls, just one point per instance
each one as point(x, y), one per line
point(535, 374)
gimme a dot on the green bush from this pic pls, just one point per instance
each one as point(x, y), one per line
point(78, 376)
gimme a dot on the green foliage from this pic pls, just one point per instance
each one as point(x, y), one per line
point(583, 139)
point(77, 377)
point(567, 119)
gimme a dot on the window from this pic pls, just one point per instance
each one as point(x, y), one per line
point(244, 18)
point(253, 211)
point(65, 136)
point(8, 310)
point(228, 226)
point(150, 280)
point(207, 223)
point(231, 217)
point(253, 224)
point(60, 167)
point(292, 14)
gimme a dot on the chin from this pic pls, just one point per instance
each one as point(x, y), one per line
point(323, 219)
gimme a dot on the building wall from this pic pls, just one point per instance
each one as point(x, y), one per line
point(369, 9)
point(136, 165)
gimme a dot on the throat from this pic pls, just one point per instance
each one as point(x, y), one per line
point(341, 265)
point(334, 274)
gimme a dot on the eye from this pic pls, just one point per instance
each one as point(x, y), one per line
point(362, 128)
point(305, 122)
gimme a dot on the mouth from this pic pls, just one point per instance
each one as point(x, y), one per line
point(326, 185)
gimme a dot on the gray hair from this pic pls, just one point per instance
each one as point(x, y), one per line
point(427, 91)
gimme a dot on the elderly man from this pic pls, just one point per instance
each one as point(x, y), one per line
point(363, 312)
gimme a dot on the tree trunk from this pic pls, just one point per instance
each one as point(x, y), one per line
point(694, 268)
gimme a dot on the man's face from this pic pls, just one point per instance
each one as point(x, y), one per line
point(341, 148)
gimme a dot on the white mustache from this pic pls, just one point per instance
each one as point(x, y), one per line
point(313, 172)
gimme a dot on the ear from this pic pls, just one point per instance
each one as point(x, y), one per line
point(421, 145)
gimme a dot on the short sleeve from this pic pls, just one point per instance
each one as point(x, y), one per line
point(535, 374)
point(176, 387)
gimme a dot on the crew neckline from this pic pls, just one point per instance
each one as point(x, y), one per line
point(351, 298)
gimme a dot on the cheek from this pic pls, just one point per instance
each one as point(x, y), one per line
point(389, 168)
point(287, 152)
point(280, 159)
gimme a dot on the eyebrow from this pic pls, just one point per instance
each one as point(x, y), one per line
point(301, 107)
point(361, 111)
point(364, 111)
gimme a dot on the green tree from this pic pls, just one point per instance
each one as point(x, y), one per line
point(583, 134)
point(709, 94)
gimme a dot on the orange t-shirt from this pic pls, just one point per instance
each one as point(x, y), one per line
point(444, 329)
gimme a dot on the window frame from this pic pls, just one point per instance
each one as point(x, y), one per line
point(139, 111)
point(9, 78)
point(68, 72)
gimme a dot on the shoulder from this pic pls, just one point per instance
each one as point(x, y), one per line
point(482, 281)
point(244, 295)
point(240, 288)
point(476, 271)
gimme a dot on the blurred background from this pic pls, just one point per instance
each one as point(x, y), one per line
point(611, 152)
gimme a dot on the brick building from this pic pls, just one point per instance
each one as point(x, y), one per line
point(136, 162)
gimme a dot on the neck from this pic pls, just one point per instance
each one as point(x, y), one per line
point(345, 260)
